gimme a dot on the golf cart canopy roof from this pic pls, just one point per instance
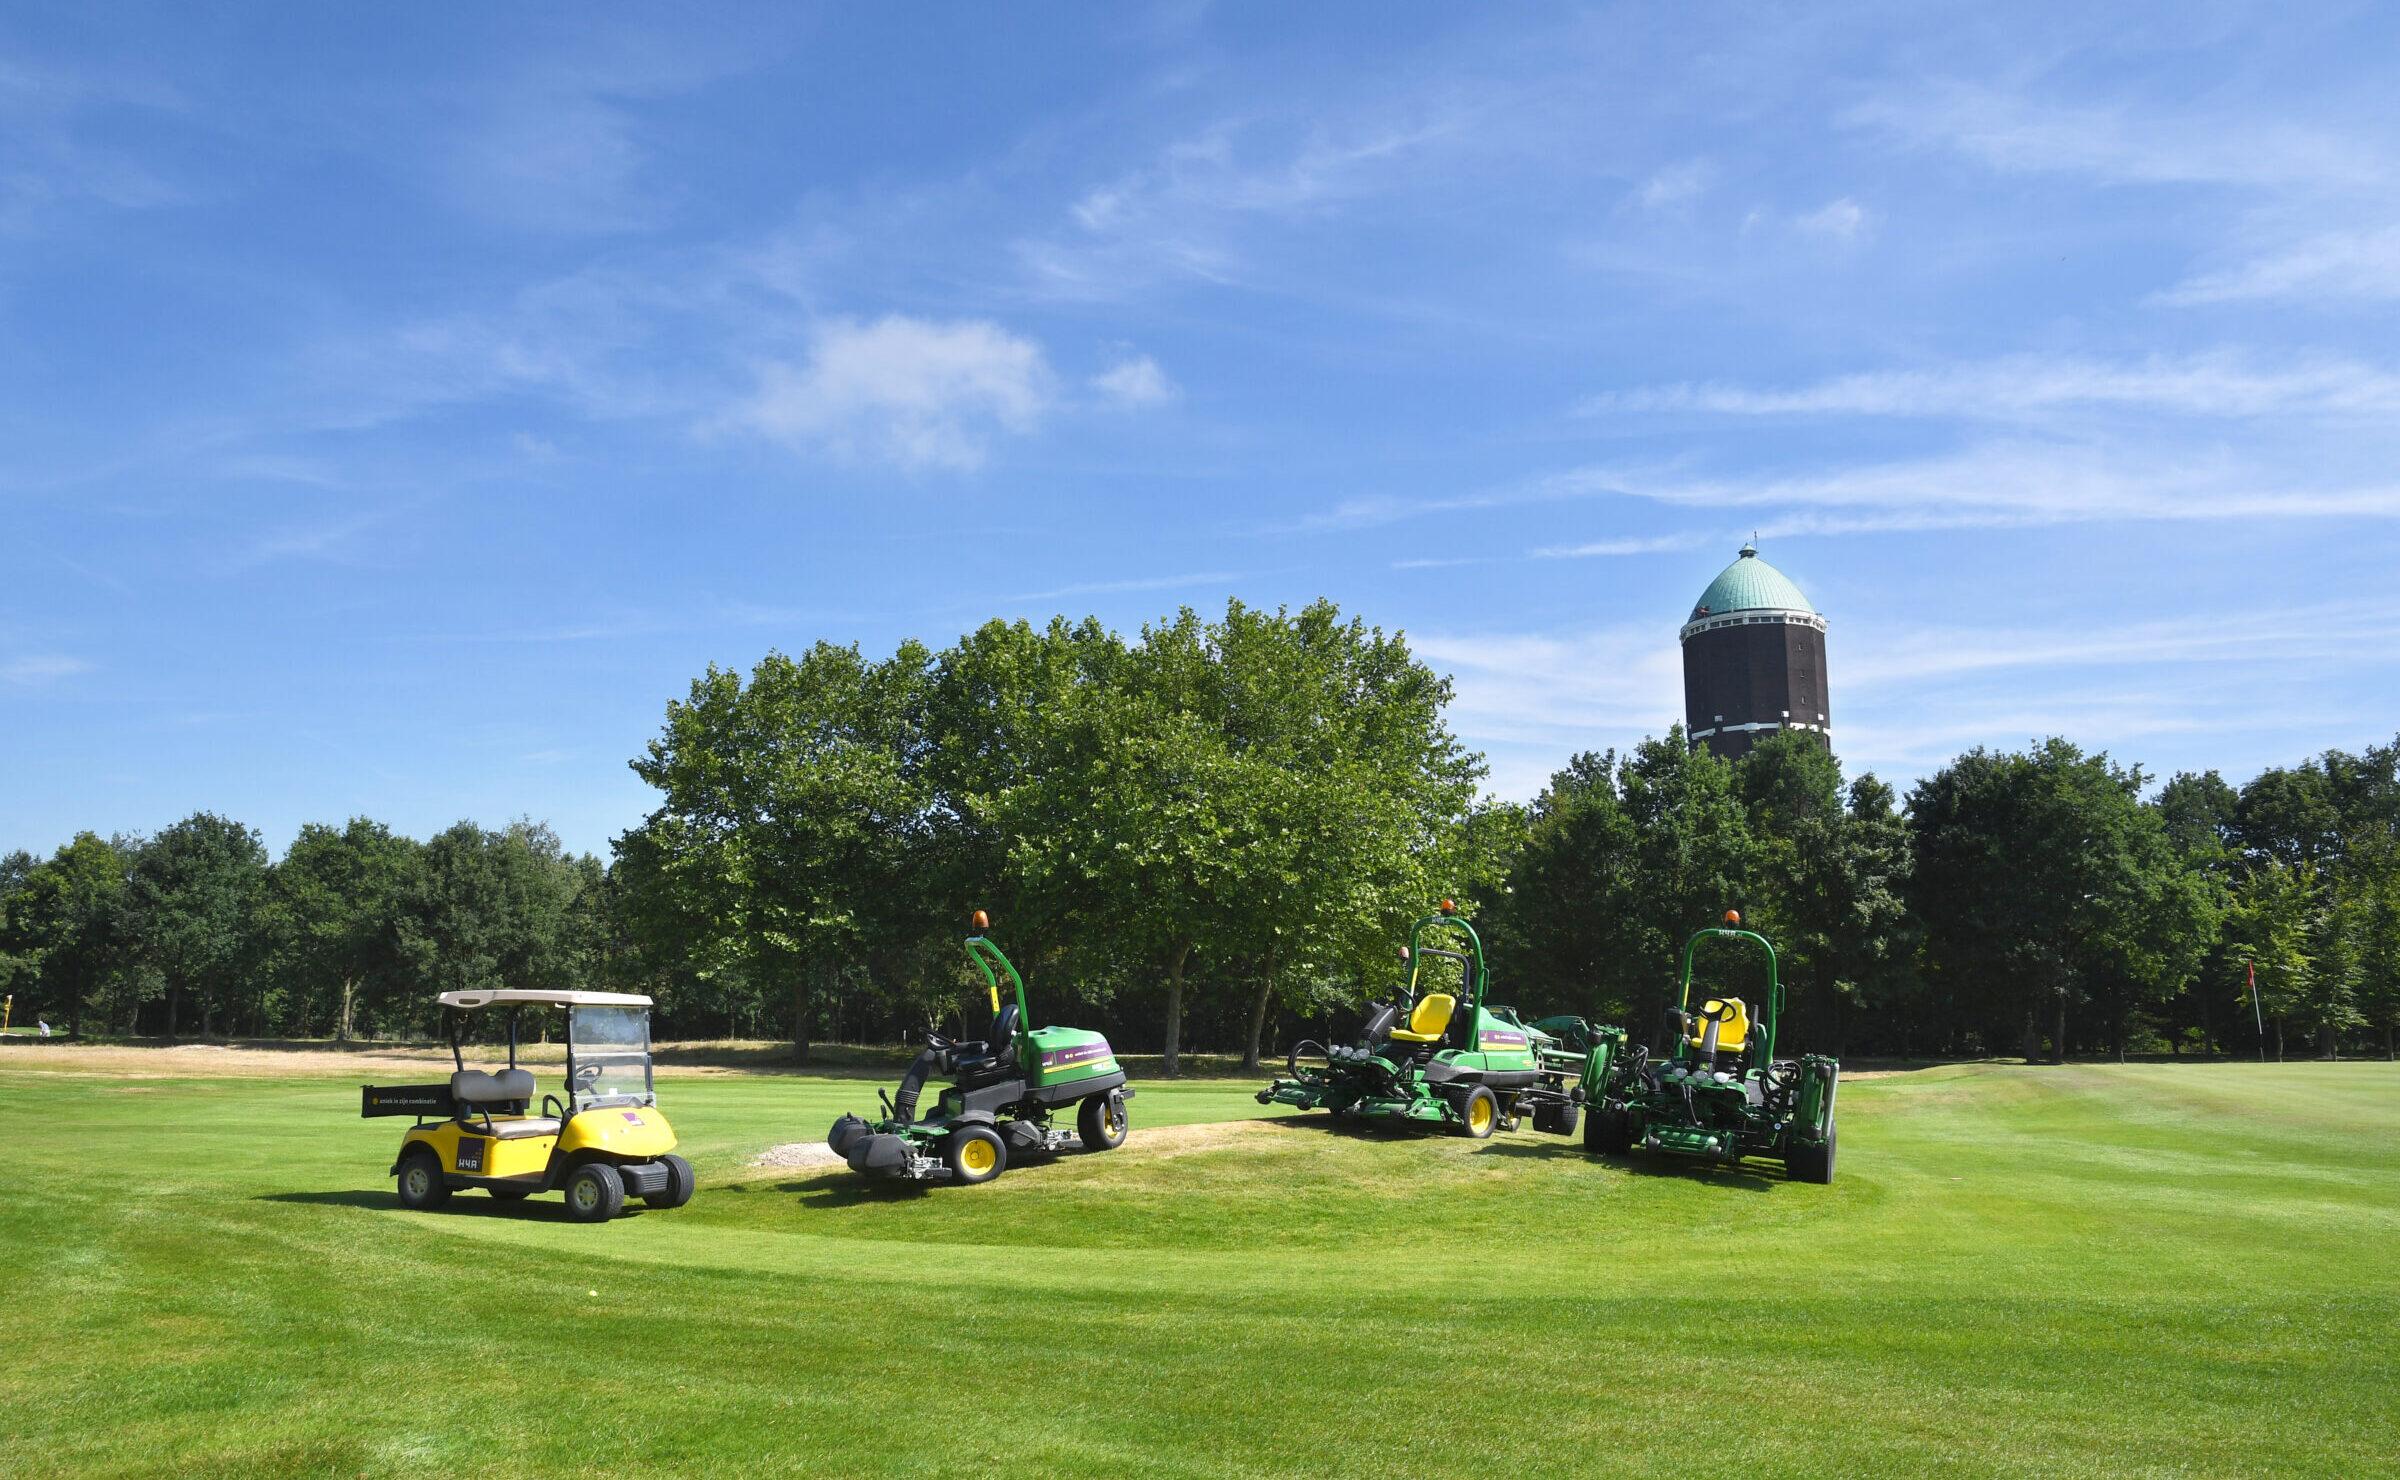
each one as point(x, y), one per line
point(543, 999)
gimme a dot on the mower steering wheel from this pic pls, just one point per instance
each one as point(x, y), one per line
point(1723, 1014)
point(936, 1040)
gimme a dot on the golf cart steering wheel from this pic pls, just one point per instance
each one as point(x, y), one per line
point(586, 1074)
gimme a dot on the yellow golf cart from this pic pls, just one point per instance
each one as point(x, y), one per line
point(606, 1139)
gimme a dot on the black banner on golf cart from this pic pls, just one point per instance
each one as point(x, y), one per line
point(405, 1099)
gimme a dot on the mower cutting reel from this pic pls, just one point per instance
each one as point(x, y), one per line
point(1004, 1090)
point(1435, 1054)
point(1715, 1089)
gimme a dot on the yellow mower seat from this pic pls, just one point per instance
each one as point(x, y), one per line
point(1732, 1033)
point(1431, 1016)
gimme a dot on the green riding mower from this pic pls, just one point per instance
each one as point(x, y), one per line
point(1715, 1089)
point(1434, 1053)
point(1004, 1089)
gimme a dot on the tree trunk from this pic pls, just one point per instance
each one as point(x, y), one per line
point(2058, 1040)
point(1174, 1054)
point(2328, 1045)
point(800, 1005)
point(349, 996)
point(172, 992)
point(2387, 1043)
point(2278, 1040)
point(2033, 1039)
point(1258, 1015)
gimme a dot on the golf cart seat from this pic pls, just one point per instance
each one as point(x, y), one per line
point(477, 1093)
point(1430, 1019)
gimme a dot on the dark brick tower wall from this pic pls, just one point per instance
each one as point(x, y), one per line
point(1748, 674)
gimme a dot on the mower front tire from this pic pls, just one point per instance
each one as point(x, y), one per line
point(1480, 1113)
point(1812, 1163)
point(1102, 1123)
point(681, 1184)
point(595, 1193)
point(974, 1154)
point(421, 1186)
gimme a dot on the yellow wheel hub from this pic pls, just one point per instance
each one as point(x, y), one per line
point(1479, 1115)
point(976, 1156)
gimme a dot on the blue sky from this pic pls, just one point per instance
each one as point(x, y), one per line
point(400, 407)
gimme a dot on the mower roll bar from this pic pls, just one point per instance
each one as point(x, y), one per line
point(1774, 1002)
point(1475, 1001)
point(985, 954)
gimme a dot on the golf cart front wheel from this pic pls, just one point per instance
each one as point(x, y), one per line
point(974, 1155)
point(1102, 1122)
point(1479, 1114)
point(421, 1186)
point(681, 1184)
point(595, 1193)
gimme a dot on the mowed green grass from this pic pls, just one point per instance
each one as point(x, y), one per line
point(2089, 1271)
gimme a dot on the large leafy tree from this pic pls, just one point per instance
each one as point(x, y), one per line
point(193, 904)
point(62, 926)
point(790, 834)
point(342, 894)
point(2044, 884)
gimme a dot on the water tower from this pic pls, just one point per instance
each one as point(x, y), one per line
point(1753, 660)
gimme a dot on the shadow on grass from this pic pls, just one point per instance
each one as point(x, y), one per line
point(464, 1204)
point(1688, 1169)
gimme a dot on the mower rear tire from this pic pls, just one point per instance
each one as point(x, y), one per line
point(1102, 1123)
point(682, 1182)
point(595, 1193)
point(974, 1154)
point(1563, 1118)
point(1479, 1115)
point(421, 1186)
point(1812, 1163)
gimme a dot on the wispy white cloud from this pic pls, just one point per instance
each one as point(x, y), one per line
point(1677, 185)
point(1134, 380)
point(2355, 264)
point(34, 669)
point(1146, 583)
point(2221, 384)
point(1841, 219)
point(2009, 484)
point(1649, 546)
point(918, 393)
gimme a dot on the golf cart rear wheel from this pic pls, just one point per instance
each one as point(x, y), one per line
point(595, 1193)
point(681, 1184)
point(421, 1185)
point(1102, 1123)
point(974, 1154)
point(1479, 1114)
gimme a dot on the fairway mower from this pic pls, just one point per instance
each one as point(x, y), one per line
point(1716, 1090)
point(605, 1141)
point(1434, 1054)
point(1004, 1088)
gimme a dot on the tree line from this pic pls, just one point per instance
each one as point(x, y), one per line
point(1212, 835)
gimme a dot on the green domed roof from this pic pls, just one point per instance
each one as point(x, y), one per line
point(1750, 583)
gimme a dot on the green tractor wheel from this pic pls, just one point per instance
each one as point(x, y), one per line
point(1479, 1115)
point(1102, 1123)
point(974, 1154)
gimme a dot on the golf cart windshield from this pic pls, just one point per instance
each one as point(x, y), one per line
point(608, 1049)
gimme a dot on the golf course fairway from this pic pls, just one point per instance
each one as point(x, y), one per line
point(2105, 1271)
